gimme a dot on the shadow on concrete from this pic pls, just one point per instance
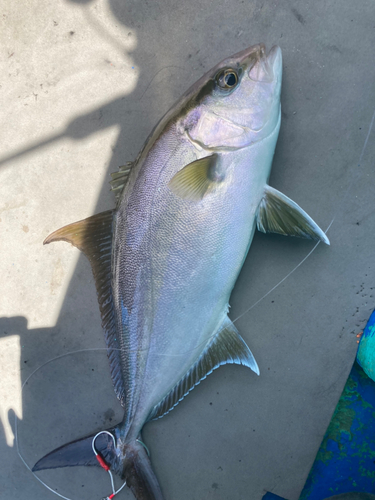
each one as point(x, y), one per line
point(53, 414)
point(45, 424)
point(73, 396)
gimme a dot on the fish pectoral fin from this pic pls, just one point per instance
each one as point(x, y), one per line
point(93, 236)
point(279, 214)
point(196, 179)
point(120, 178)
point(226, 347)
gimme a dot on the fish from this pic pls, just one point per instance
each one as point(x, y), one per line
point(166, 259)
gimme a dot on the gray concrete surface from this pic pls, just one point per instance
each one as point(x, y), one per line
point(82, 83)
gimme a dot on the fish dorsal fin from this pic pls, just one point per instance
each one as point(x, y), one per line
point(279, 214)
point(120, 178)
point(226, 347)
point(94, 237)
point(196, 179)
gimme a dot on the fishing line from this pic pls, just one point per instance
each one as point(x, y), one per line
point(104, 465)
point(156, 74)
point(16, 419)
point(355, 178)
point(238, 317)
point(16, 423)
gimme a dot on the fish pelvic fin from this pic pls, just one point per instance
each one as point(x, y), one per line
point(130, 461)
point(226, 347)
point(279, 214)
point(93, 236)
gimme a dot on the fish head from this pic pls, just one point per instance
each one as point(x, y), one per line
point(237, 103)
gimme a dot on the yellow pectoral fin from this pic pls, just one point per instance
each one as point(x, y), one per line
point(195, 180)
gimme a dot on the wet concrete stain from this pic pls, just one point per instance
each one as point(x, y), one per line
point(108, 415)
point(298, 16)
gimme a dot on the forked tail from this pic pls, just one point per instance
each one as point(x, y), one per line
point(139, 474)
point(130, 461)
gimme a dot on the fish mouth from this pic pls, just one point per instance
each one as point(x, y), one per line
point(257, 53)
point(263, 67)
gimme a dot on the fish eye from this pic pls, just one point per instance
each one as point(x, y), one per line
point(227, 79)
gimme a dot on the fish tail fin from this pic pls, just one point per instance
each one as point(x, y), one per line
point(80, 452)
point(130, 461)
point(138, 473)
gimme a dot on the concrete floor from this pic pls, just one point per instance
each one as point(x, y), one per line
point(82, 84)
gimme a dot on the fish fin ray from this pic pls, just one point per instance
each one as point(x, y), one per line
point(78, 452)
point(120, 178)
point(93, 236)
point(130, 462)
point(279, 214)
point(195, 180)
point(226, 347)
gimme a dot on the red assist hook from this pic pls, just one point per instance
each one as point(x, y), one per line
point(105, 466)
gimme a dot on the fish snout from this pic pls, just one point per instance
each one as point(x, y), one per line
point(267, 68)
point(275, 60)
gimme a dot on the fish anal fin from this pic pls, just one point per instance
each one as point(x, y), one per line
point(279, 214)
point(93, 236)
point(120, 178)
point(196, 179)
point(226, 347)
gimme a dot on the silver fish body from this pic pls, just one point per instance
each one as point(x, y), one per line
point(186, 255)
point(167, 258)
point(186, 260)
